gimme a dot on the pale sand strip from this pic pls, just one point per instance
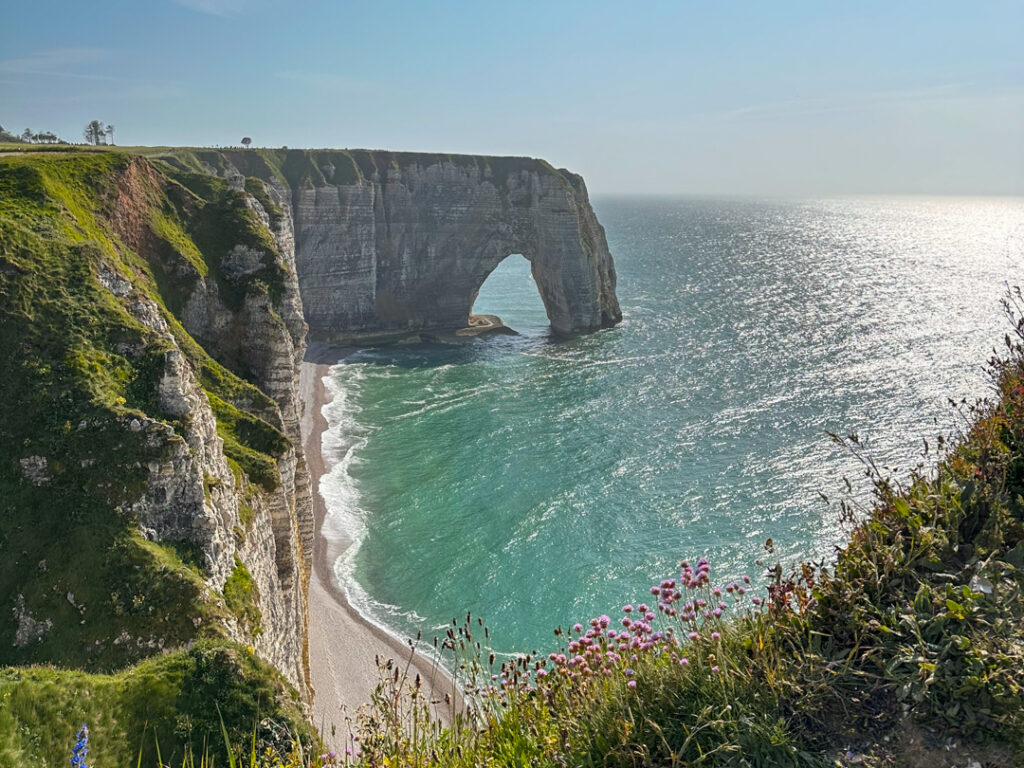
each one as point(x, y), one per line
point(342, 644)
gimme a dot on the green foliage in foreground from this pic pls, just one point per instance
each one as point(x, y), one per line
point(907, 652)
point(916, 635)
point(177, 701)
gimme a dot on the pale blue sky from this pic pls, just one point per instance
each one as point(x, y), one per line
point(662, 97)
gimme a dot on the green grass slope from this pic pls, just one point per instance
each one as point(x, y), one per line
point(85, 590)
point(174, 702)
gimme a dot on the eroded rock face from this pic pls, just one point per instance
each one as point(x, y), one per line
point(268, 339)
point(407, 246)
point(30, 630)
point(191, 492)
point(378, 244)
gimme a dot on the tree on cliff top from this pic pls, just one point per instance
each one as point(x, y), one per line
point(95, 133)
point(246, 141)
point(6, 135)
point(28, 136)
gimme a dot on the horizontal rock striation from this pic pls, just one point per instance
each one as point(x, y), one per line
point(392, 243)
point(407, 246)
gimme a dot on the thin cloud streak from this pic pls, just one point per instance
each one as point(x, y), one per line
point(61, 62)
point(220, 8)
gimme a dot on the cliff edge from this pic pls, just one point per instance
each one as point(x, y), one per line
point(393, 243)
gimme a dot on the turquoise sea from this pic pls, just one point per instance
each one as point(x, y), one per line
point(537, 482)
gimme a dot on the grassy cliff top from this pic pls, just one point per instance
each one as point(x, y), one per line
point(318, 167)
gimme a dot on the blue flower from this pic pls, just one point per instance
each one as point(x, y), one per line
point(81, 749)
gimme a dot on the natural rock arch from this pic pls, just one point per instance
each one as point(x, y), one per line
point(406, 247)
point(513, 267)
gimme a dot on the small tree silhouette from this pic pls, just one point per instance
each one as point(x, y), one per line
point(110, 132)
point(95, 133)
point(246, 141)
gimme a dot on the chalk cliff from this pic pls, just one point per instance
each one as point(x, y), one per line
point(407, 247)
point(155, 502)
point(392, 243)
point(151, 425)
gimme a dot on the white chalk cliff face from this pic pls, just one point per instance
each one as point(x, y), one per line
point(406, 245)
point(369, 245)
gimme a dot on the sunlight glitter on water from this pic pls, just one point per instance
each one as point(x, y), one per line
point(536, 482)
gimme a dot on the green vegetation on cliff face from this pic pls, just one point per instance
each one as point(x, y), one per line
point(68, 394)
point(241, 597)
point(97, 253)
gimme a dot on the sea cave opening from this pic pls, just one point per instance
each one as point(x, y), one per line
point(511, 293)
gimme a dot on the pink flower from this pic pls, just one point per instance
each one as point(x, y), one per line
point(631, 683)
point(693, 636)
point(714, 668)
point(684, 662)
point(577, 628)
point(604, 621)
point(715, 636)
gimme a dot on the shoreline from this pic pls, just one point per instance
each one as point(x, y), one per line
point(343, 644)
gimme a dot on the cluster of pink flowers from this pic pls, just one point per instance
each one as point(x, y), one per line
point(689, 607)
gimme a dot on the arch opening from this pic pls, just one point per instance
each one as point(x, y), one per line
point(510, 293)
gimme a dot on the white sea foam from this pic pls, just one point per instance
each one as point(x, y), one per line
point(345, 521)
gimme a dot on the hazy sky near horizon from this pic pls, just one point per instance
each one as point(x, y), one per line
point(659, 97)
